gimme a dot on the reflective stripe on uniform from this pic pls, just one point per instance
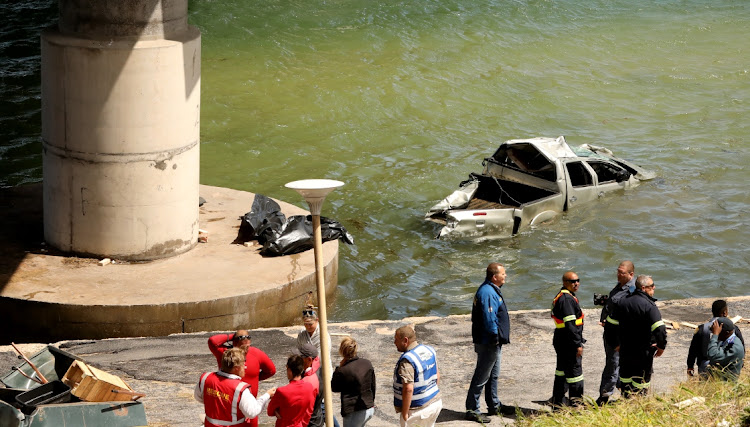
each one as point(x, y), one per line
point(224, 423)
point(612, 321)
point(236, 403)
point(423, 386)
point(656, 325)
point(237, 417)
point(559, 373)
point(560, 323)
point(635, 383)
point(203, 381)
point(574, 379)
point(424, 360)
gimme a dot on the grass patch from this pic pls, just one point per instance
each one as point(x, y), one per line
point(726, 404)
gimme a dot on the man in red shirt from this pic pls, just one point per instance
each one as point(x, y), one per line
point(258, 366)
point(226, 399)
point(293, 404)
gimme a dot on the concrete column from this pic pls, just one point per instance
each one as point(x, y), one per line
point(120, 129)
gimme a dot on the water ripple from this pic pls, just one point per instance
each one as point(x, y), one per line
point(401, 100)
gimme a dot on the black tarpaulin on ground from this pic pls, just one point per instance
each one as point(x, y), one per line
point(285, 236)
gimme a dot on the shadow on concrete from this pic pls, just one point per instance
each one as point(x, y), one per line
point(450, 416)
point(21, 227)
point(21, 230)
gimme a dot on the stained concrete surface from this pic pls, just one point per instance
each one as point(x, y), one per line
point(47, 295)
point(167, 368)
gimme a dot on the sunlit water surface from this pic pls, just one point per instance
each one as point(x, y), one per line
point(402, 99)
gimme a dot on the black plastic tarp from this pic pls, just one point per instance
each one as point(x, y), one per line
point(285, 236)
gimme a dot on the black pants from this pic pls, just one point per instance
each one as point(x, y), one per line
point(635, 371)
point(568, 376)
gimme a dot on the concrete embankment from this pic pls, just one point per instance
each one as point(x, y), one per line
point(167, 368)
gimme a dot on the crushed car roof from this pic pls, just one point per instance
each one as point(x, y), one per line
point(552, 148)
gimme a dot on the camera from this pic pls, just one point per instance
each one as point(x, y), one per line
point(600, 299)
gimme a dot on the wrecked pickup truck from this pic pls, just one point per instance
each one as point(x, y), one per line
point(529, 181)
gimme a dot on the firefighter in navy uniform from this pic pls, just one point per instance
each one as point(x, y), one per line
point(568, 342)
point(639, 334)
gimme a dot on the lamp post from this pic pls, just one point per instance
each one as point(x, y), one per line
point(315, 191)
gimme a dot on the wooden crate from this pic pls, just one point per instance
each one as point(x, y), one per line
point(94, 385)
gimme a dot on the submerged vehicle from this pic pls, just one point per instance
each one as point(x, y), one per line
point(25, 402)
point(529, 181)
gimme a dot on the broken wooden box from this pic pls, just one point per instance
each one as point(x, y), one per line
point(94, 385)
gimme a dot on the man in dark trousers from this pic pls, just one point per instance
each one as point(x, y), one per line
point(699, 345)
point(490, 329)
point(640, 335)
point(625, 285)
point(568, 342)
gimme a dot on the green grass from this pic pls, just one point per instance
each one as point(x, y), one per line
point(726, 404)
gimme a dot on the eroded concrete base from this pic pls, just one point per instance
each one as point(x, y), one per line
point(216, 286)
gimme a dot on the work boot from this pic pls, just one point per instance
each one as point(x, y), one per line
point(502, 410)
point(477, 417)
point(602, 400)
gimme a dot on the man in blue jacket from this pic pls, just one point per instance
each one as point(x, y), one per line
point(490, 329)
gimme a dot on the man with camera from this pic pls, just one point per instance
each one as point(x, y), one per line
point(625, 285)
point(639, 334)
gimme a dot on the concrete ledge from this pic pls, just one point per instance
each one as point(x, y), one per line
point(48, 296)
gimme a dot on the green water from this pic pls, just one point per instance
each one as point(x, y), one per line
point(401, 100)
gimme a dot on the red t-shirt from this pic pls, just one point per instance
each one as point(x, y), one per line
point(294, 403)
point(258, 366)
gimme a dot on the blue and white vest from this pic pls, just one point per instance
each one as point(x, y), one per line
point(424, 361)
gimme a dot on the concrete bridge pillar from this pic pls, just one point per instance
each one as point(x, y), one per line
point(120, 129)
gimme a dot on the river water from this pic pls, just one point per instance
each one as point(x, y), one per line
point(402, 99)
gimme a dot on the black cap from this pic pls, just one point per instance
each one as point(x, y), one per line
point(726, 324)
point(308, 350)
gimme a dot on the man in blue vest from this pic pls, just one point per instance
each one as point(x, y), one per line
point(490, 329)
point(416, 395)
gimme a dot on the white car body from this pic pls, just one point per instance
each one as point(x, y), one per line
point(529, 181)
